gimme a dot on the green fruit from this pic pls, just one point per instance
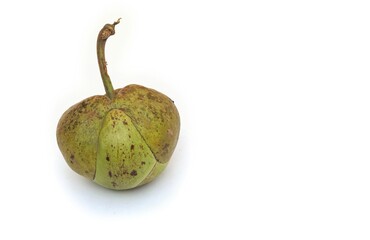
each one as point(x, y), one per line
point(123, 139)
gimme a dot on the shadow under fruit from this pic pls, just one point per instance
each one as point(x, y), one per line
point(123, 139)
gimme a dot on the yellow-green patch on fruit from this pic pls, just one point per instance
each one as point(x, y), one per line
point(124, 159)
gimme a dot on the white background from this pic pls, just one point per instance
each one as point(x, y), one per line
point(274, 102)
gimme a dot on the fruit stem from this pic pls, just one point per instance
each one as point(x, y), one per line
point(104, 34)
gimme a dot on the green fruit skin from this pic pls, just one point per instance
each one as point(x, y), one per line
point(121, 143)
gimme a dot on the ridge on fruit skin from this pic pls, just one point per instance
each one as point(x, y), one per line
point(123, 139)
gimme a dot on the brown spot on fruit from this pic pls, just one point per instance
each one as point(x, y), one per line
point(110, 174)
point(107, 158)
point(142, 163)
point(83, 104)
point(150, 96)
point(133, 173)
point(132, 147)
point(72, 159)
point(124, 122)
point(114, 184)
point(165, 148)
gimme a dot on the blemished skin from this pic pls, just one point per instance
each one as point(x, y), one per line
point(123, 139)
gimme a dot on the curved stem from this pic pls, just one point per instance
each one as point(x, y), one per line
point(104, 34)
